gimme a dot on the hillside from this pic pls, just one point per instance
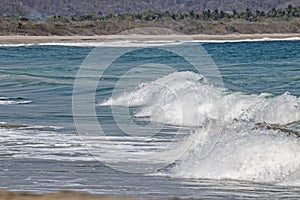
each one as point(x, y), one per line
point(38, 8)
point(206, 22)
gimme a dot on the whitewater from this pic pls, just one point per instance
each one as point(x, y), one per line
point(243, 151)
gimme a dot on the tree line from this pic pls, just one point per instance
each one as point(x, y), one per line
point(210, 15)
point(289, 12)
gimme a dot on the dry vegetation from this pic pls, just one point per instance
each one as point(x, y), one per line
point(206, 22)
point(35, 8)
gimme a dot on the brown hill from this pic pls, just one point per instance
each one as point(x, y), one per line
point(37, 8)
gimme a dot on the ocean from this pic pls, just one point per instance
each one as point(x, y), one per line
point(158, 119)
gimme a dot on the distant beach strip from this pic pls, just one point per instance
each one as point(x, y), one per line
point(20, 40)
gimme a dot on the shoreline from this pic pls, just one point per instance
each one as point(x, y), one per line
point(21, 39)
point(66, 195)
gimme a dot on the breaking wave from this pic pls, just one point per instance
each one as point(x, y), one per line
point(259, 131)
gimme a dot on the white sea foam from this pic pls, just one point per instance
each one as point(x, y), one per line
point(44, 127)
point(256, 156)
point(4, 75)
point(117, 43)
point(16, 45)
point(176, 99)
point(13, 102)
point(266, 39)
point(185, 98)
point(45, 144)
point(150, 43)
point(244, 151)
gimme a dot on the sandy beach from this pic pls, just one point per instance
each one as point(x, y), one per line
point(21, 39)
point(66, 195)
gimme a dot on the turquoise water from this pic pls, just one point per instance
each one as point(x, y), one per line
point(261, 84)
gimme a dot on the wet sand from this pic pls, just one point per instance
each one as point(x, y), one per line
point(21, 39)
point(66, 195)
